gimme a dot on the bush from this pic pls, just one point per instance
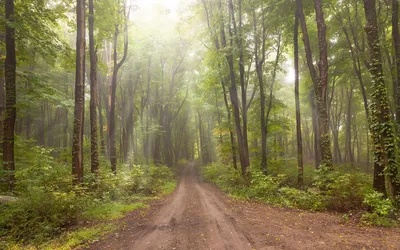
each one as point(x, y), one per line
point(302, 199)
point(265, 187)
point(344, 191)
point(48, 203)
point(381, 209)
point(226, 178)
point(41, 214)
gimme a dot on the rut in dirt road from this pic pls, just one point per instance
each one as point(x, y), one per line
point(198, 216)
point(195, 219)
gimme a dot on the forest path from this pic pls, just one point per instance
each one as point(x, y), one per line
point(198, 216)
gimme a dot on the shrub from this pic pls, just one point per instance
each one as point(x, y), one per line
point(41, 214)
point(302, 199)
point(149, 179)
point(381, 209)
point(48, 203)
point(265, 187)
point(344, 191)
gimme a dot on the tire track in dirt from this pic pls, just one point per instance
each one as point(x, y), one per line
point(198, 216)
point(195, 219)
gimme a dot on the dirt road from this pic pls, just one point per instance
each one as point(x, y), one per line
point(198, 216)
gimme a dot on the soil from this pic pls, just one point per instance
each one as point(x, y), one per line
point(198, 216)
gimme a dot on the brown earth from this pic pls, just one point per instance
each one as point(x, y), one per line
point(199, 216)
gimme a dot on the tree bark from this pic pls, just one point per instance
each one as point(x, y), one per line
point(381, 129)
point(242, 137)
point(10, 67)
point(222, 81)
point(79, 111)
point(117, 66)
point(300, 169)
point(93, 93)
point(396, 43)
point(321, 88)
point(2, 108)
point(259, 70)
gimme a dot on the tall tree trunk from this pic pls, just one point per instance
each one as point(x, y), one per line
point(222, 81)
point(396, 43)
point(79, 111)
point(10, 79)
point(313, 73)
point(237, 32)
point(259, 69)
point(300, 178)
point(93, 93)
point(381, 129)
point(271, 90)
point(117, 66)
point(321, 88)
point(234, 97)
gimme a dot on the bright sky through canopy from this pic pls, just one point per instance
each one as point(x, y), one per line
point(148, 5)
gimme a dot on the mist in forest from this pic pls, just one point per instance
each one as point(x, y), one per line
point(144, 110)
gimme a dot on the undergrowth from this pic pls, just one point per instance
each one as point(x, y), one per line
point(49, 206)
point(343, 190)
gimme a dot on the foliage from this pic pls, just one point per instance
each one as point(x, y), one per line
point(41, 214)
point(381, 210)
point(344, 191)
point(265, 188)
point(48, 203)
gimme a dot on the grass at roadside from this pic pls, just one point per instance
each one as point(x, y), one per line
point(98, 221)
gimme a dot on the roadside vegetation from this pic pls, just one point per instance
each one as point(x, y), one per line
point(52, 212)
point(345, 189)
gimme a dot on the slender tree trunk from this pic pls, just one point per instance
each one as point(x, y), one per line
point(349, 149)
point(101, 124)
point(66, 125)
point(242, 136)
point(297, 97)
point(222, 81)
point(382, 134)
point(93, 93)
point(316, 138)
point(2, 109)
point(260, 59)
point(77, 141)
point(10, 86)
point(117, 66)
point(313, 73)
point(396, 43)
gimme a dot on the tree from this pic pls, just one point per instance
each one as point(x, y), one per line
point(396, 44)
point(259, 50)
point(296, 93)
point(381, 128)
point(79, 111)
point(93, 92)
point(116, 68)
point(10, 87)
point(321, 88)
